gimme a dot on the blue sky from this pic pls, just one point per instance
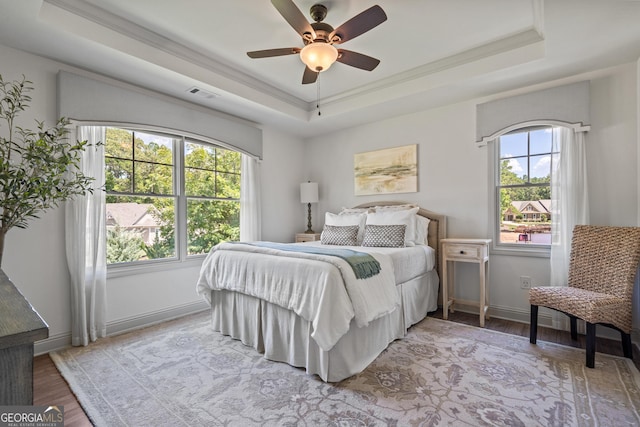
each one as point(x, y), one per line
point(514, 146)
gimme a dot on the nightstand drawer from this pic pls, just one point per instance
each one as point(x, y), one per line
point(307, 237)
point(462, 251)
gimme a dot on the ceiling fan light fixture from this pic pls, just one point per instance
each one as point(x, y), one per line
point(319, 56)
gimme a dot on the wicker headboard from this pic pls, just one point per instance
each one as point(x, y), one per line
point(437, 226)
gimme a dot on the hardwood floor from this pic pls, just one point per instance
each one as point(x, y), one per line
point(51, 389)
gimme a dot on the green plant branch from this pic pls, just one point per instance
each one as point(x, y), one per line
point(39, 169)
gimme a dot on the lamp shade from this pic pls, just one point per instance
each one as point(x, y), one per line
point(309, 192)
point(319, 56)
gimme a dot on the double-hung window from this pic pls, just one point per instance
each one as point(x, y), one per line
point(524, 160)
point(212, 192)
point(168, 197)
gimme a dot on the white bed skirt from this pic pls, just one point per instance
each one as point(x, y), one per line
point(283, 336)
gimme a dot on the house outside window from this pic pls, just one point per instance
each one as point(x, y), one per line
point(168, 197)
point(524, 161)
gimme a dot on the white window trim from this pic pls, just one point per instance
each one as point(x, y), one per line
point(153, 266)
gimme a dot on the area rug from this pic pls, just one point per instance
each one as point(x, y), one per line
point(182, 373)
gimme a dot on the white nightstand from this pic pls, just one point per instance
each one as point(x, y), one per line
point(307, 237)
point(465, 250)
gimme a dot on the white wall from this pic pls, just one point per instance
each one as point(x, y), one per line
point(35, 258)
point(282, 171)
point(612, 149)
point(453, 176)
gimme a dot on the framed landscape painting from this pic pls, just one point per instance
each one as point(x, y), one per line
point(392, 170)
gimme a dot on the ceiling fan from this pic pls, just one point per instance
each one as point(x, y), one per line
point(319, 38)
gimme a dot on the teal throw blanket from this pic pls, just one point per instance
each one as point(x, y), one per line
point(363, 264)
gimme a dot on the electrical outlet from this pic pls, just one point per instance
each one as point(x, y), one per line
point(525, 282)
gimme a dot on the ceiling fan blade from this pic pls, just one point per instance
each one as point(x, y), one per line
point(294, 17)
point(357, 60)
point(273, 52)
point(309, 76)
point(360, 24)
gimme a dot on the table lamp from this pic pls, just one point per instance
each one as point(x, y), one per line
point(309, 194)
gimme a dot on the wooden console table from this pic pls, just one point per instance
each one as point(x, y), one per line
point(465, 250)
point(20, 327)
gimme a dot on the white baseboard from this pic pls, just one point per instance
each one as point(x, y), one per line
point(148, 319)
point(53, 343)
point(60, 341)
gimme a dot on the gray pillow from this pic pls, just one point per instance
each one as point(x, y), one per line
point(342, 235)
point(384, 236)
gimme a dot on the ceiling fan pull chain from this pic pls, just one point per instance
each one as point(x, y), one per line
point(318, 95)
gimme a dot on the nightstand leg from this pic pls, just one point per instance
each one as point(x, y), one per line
point(445, 291)
point(483, 296)
point(486, 285)
point(452, 288)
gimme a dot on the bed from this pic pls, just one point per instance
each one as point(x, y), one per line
point(309, 310)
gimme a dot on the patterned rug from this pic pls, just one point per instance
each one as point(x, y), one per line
point(181, 373)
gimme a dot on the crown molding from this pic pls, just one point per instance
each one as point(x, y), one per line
point(509, 43)
point(132, 30)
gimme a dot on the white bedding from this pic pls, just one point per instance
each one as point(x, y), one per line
point(321, 289)
point(328, 345)
point(408, 263)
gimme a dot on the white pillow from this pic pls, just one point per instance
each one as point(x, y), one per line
point(422, 230)
point(358, 219)
point(397, 217)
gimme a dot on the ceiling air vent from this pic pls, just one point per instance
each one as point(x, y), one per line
point(203, 93)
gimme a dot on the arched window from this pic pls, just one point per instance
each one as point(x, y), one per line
point(538, 189)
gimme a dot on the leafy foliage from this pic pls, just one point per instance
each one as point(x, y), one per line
point(158, 249)
point(38, 168)
point(123, 246)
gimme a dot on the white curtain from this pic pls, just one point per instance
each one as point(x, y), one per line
point(569, 204)
point(250, 203)
point(86, 245)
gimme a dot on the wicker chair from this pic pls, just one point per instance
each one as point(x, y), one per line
point(602, 270)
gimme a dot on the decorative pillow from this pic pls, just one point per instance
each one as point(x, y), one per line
point(405, 217)
point(358, 219)
point(422, 230)
point(384, 236)
point(345, 235)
